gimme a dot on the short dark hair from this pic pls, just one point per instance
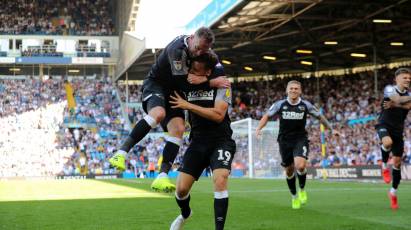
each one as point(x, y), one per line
point(402, 70)
point(205, 33)
point(210, 59)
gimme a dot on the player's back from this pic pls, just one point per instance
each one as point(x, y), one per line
point(172, 61)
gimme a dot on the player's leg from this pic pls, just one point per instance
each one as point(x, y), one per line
point(175, 127)
point(300, 154)
point(288, 164)
point(192, 167)
point(397, 150)
point(386, 146)
point(184, 183)
point(220, 162)
point(153, 102)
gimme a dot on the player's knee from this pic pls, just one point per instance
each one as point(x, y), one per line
point(220, 182)
point(396, 161)
point(177, 129)
point(387, 142)
point(300, 167)
point(289, 170)
point(182, 191)
point(158, 113)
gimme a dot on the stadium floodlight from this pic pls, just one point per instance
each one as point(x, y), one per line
point(248, 68)
point(304, 51)
point(269, 58)
point(331, 43)
point(15, 69)
point(227, 62)
point(382, 20)
point(397, 43)
point(74, 71)
point(241, 44)
point(359, 55)
point(252, 20)
point(306, 63)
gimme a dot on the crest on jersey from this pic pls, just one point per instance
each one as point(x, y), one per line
point(177, 65)
point(285, 107)
point(301, 107)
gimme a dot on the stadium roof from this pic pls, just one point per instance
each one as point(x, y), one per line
point(293, 31)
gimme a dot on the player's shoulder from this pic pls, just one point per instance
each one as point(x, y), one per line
point(177, 46)
point(278, 104)
point(306, 103)
point(389, 90)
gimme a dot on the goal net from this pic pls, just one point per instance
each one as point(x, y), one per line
point(256, 157)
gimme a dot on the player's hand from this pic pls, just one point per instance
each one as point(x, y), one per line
point(258, 133)
point(178, 102)
point(196, 79)
point(388, 104)
point(220, 82)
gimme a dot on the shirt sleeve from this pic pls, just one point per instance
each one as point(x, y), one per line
point(178, 60)
point(389, 91)
point(218, 70)
point(274, 108)
point(312, 110)
point(224, 94)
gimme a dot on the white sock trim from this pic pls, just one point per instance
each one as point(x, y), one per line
point(162, 174)
point(122, 152)
point(221, 195)
point(386, 150)
point(174, 140)
point(393, 191)
point(150, 121)
point(290, 177)
point(395, 168)
point(302, 173)
point(182, 198)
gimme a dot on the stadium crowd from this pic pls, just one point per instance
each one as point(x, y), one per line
point(348, 102)
point(82, 142)
point(57, 17)
point(30, 113)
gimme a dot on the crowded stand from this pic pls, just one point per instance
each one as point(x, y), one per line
point(348, 102)
point(58, 17)
point(80, 142)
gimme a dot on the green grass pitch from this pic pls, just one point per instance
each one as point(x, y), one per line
point(254, 204)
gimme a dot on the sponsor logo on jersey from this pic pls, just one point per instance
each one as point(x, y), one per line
point(177, 65)
point(287, 115)
point(200, 95)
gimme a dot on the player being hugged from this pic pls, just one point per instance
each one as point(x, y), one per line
point(211, 142)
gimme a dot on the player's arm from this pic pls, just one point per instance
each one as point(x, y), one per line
point(401, 100)
point(216, 113)
point(271, 112)
point(391, 93)
point(313, 111)
point(220, 81)
point(391, 104)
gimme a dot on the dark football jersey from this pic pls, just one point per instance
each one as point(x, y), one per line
point(393, 118)
point(293, 117)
